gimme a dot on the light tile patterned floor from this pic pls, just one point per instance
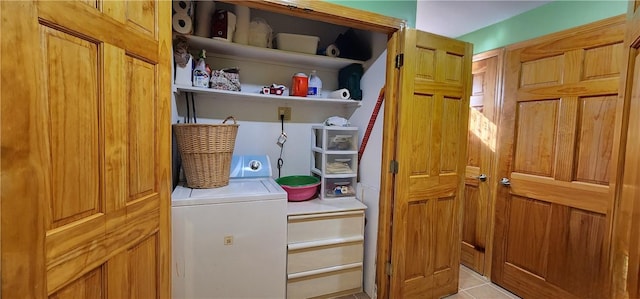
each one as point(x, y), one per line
point(472, 286)
point(475, 286)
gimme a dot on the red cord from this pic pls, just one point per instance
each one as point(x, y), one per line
point(372, 121)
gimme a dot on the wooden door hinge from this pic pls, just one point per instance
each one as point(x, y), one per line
point(393, 166)
point(399, 60)
point(389, 269)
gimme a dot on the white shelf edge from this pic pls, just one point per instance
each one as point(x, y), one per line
point(339, 152)
point(338, 197)
point(275, 55)
point(335, 128)
point(333, 152)
point(334, 175)
point(262, 97)
point(340, 175)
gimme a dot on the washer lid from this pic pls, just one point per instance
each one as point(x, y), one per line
point(238, 190)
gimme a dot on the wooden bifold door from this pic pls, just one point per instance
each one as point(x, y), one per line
point(428, 126)
point(85, 135)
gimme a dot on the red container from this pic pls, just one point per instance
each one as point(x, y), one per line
point(299, 85)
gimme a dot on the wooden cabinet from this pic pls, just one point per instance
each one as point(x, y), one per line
point(334, 159)
point(325, 248)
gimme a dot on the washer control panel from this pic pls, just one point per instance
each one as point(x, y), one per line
point(250, 166)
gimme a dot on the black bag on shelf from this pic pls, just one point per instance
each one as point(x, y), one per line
point(349, 77)
point(352, 46)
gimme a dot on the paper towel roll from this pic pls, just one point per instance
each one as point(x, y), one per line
point(341, 94)
point(332, 51)
point(204, 13)
point(243, 19)
point(183, 6)
point(182, 23)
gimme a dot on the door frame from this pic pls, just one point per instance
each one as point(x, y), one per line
point(624, 265)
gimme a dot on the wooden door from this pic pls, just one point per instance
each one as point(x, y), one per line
point(626, 248)
point(85, 136)
point(431, 116)
point(556, 139)
point(480, 177)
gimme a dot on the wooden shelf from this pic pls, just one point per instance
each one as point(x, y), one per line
point(262, 98)
point(224, 47)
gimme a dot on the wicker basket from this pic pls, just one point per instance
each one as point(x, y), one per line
point(206, 152)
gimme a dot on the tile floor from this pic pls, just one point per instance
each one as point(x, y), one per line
point(472, 286)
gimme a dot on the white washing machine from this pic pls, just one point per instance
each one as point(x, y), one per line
point(231, 242)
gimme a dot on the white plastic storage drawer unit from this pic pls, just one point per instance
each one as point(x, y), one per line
point(334, 160)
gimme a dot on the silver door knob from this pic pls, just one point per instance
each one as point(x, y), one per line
point(505, 182)
point(482, 177)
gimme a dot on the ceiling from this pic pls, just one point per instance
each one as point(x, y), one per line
point(454, 18)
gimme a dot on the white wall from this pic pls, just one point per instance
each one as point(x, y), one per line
point(370, 165)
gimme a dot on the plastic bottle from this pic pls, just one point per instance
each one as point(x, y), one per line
point(315, 85)
point(200, 75)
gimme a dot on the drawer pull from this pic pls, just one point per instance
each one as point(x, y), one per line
point(324, 270)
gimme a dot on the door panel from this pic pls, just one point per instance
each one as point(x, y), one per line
point(435, 85)
point(536, 137)
point(478, 196)
point(141, 116)
point(73, 155)
point(556, 139)
point(595, 135)
point(578, 254)
point(626, 240)
point(94, 166)
point(141, 14)
point(88, 286)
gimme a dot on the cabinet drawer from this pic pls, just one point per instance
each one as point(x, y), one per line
point(336, 282)
point(305, 228)
point(306, 259)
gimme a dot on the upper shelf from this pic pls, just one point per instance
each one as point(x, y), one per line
point(273, 55)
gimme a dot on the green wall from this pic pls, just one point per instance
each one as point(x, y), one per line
point(549, 18)
point(402, 9)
